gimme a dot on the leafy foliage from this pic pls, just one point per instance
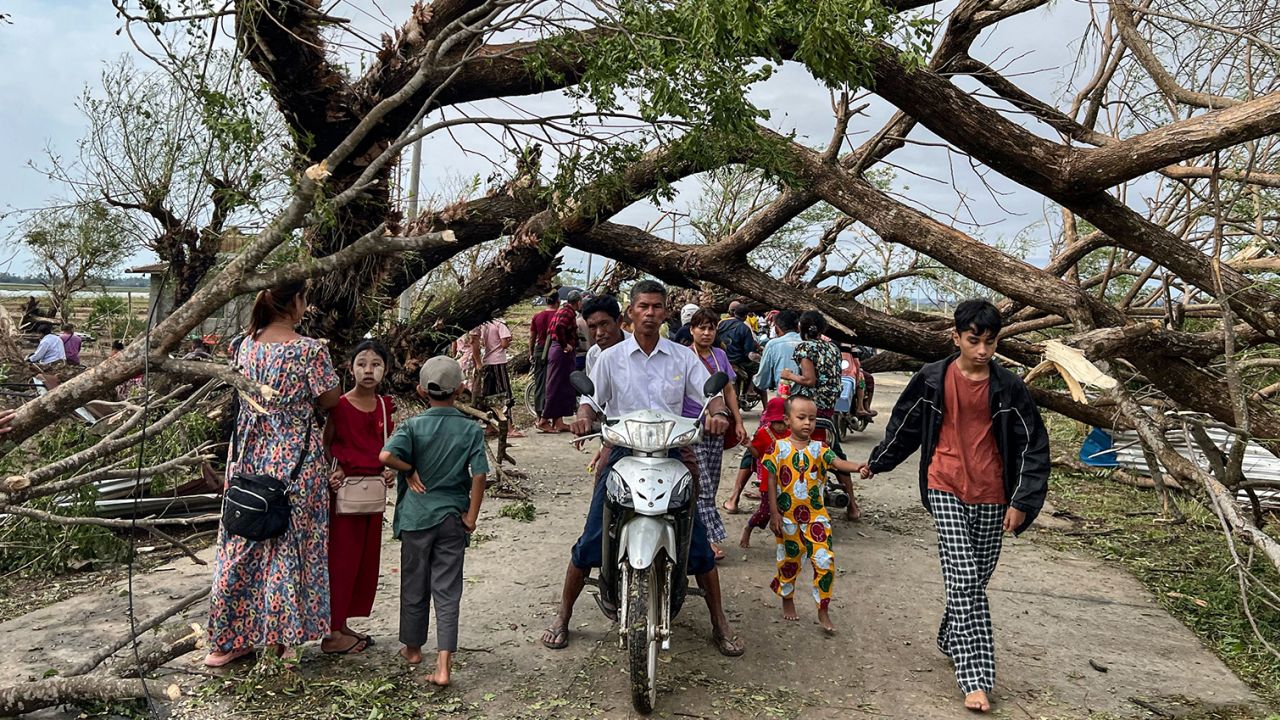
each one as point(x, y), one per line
point(75, 246)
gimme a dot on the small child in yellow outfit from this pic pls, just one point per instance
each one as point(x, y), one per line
point(797, 469)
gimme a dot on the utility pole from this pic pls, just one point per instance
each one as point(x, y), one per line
point(415, 171)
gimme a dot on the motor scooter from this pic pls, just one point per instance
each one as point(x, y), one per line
point(648, 526)
point(846, 418)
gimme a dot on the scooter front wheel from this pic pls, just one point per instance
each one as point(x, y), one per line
point(641, 627)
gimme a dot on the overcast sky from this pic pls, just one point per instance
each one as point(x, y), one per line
point(55, 48)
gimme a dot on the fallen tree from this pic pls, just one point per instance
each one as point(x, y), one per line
point(1175, 297)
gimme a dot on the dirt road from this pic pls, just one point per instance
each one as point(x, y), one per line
point(1054, 613)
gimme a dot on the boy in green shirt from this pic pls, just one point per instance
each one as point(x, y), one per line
point(442, 464)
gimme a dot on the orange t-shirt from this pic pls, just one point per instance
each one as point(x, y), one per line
point(967, 461)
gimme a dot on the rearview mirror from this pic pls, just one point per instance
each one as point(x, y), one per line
point(715, 384)
point(582, 383)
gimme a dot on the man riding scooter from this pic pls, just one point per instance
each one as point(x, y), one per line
point(645, 371)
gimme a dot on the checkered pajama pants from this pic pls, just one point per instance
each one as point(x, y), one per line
point(969, 538)
point(710, 455)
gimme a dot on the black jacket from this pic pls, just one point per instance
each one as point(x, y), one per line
point(1015, 420)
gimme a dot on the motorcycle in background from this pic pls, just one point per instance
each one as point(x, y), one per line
point(846, 418)
point(648, 520)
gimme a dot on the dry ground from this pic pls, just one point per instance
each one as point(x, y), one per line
point(1054, 613)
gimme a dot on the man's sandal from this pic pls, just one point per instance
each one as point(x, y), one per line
point(729, 647)
point(610, 611)
point(556, 638)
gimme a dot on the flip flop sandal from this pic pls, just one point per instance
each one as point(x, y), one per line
point(368, 639)
point(217, 660)
point(729, 647)
point(559, 638)
point(735, 511)
point(357, 647)
point(609, 611)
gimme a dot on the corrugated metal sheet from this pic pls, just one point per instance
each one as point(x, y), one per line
point(1259, 463)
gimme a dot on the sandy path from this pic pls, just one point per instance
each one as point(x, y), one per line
point(1054, 612)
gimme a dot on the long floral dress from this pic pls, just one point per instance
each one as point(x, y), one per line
point(277, 591)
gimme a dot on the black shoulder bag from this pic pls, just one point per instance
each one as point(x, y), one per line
point(256, 507)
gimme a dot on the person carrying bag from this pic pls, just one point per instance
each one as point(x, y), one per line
point(256, 506)
point(363, 494)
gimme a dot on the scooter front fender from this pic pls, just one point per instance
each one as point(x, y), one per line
point(642, 537)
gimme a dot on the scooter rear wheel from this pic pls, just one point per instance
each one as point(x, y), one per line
point(641, 627)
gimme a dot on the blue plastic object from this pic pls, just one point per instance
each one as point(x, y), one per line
point(1098, 449)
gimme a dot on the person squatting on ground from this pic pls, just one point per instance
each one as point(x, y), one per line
point(274, 594)
point(798, 517)
point(50, 350)
point(71, 343)
point(710, 450)
point(357, 429)
point(984, 468)
point(649, 372)
point(441, 459)
point(773, 427)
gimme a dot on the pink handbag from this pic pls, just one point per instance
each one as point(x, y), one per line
point(364, 494)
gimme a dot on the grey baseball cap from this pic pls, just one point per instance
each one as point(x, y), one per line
point(440, 376)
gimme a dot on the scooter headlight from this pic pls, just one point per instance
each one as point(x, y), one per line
point(687, 437)
point(648, 437)
point(617, 490)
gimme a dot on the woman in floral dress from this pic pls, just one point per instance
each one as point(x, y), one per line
point(274, 594)
point(819, 380)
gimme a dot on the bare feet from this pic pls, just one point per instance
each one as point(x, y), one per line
point(977, 701)
point(444, 664)
point(717, 552)
point(854, 513)
point(731, 507)
point(413, 655)
point(789, 609)
point(745, 542)
point(824, 617)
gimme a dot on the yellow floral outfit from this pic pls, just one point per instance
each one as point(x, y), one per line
point(800, 472)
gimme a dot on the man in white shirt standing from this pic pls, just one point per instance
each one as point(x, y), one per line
point(645, 371)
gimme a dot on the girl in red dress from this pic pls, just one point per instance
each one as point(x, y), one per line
point(357, 429)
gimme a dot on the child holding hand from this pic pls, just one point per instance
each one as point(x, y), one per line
point(797, 469)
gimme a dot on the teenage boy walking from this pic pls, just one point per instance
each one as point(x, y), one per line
point(984, 469)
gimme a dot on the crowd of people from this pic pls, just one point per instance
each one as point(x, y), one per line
point(984, 462)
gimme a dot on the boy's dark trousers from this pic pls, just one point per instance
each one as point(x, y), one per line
point(431, 568)
point(969, 540)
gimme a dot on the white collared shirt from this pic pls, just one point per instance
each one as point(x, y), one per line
point(627, 380)
point(595, 351)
